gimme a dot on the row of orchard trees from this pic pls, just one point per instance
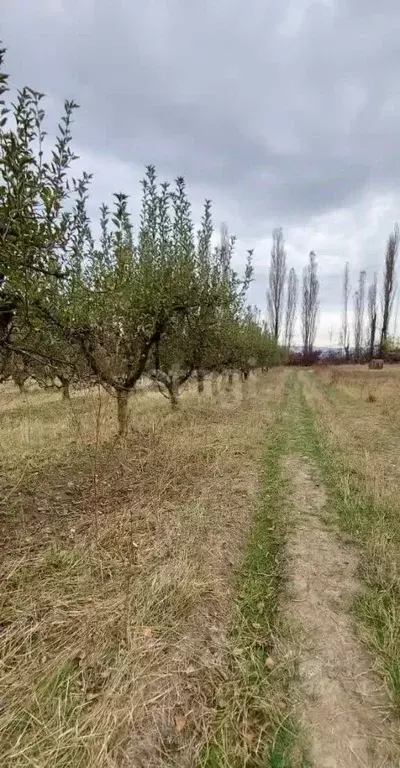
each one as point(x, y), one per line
point(162, 300)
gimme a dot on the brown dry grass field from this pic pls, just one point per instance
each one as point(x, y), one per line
point(118, 569)
point(219, 589)
point(358, 411)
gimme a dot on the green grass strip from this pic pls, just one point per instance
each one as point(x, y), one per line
point(254, 724)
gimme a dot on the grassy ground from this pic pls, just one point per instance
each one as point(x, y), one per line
point(351, 443)
point(143, 580)
point(118, 571)
point(355, 440)
point(256, 724)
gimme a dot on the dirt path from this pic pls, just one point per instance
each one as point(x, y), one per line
point(341, 702)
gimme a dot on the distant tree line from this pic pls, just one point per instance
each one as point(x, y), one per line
point(367, 337)
point(371, 336)
point(281, 315)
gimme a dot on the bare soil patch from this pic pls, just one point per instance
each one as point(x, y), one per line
point(343, 704)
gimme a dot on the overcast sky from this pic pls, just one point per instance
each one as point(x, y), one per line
point(284, 112)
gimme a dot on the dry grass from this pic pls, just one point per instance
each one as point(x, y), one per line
point(257, 723)
point(365, 439)
point(357, 381)
point(362, 411)
point(118, 571)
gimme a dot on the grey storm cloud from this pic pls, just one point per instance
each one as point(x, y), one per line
point(282, 111)
point(289, 108)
